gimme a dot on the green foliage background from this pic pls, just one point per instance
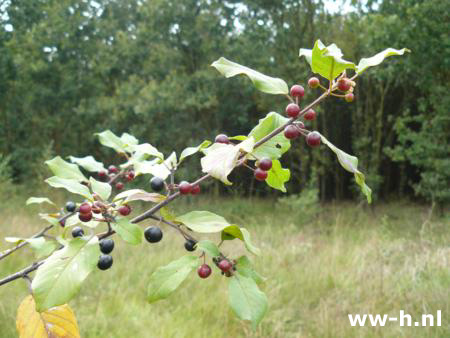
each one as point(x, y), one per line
point(72, 68)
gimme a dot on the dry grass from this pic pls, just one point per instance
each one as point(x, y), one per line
point(346, 260)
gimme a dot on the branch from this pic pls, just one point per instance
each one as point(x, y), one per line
point(21, 273)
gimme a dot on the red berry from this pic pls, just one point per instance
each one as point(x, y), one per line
point(300, 124)
point(185, 188)
point(310, 115)
point(62, 222)
point(297, 91)
point(96, 210)
point(313, 82)
point(291, 132)
point(119, 185)
point(130, 175)
point(225, 265)
point(102, 174)
point(195, 190)
point(125, 210)
point(222, 138)
point(344, 85)
point(313, 139)
point(292, 110)
point(85, 217)
point(85, 208)
point(112, 169)
point(265, 164)
point(260, 174)
point(349, 97)
point(204, 271)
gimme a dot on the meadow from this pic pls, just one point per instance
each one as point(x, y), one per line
point(321, 263)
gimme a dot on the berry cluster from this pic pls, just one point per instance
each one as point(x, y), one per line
point(113, 174)
point(261, 172)
point(346, 85)
point(226, 266)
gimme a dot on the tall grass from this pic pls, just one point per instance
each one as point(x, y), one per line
point(346, 259)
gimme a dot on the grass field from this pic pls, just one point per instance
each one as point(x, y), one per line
point(346, 259)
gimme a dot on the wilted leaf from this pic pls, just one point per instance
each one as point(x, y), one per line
point(167, 279)
point(350, 163)
point(66, 170)
point(375, 60)
point(58, 321)
point(203, 221)
point(60, 277)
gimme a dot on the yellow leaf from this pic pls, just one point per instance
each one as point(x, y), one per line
point(58, 321)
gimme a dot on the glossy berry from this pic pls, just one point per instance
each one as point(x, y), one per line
point(185, 188)
point(189, 245)
point(265, 163)
point(313, 82)
point(85, 208)
point(125, 210)
point(157, 183)
point(102, 174)
point(204, 271)
point(313, 139)
point(225, 265)
point(291, 132)
point(292, 110)
point(105, 262)
point(106, 245)
point(297, 91)
point(85, 217)
point(344, 85)
point(349, 97)
point(310, 115)
point(77, 232)
point(119, 185)
point(153, 234)
point(260, 174)
point(195, 190)
point(71, 206)
point(113, 169)
point(222, 138)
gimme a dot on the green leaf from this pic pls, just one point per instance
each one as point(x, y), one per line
point(71, 185)
point(203, 221)
point(89, 163)
point(277, 145)
point(38, 200)
point(129, 141)
point(262, 82)
point(167, 213)
point(192, 150)
point(208, 247)
point(233, 231)
point(350, 163)
point(238, 138)
point(64, 169)
point(39, 244)
point(375, 60)
point(278, 176)
point(326, 60)
point(100, 188)
point(139, 195)
point(245, 268)
point(146, 150)
point(167, 279)
point(129, 232)
point(246, 300)
point(109, 139)
point(59, 279)
point(220, 159)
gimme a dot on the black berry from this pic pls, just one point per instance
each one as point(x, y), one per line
point(106, 245)
point(189, 245)
point(104, 262)
point(77, 232)
point(153, 234)
point(157, 184)
point(71, 206)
